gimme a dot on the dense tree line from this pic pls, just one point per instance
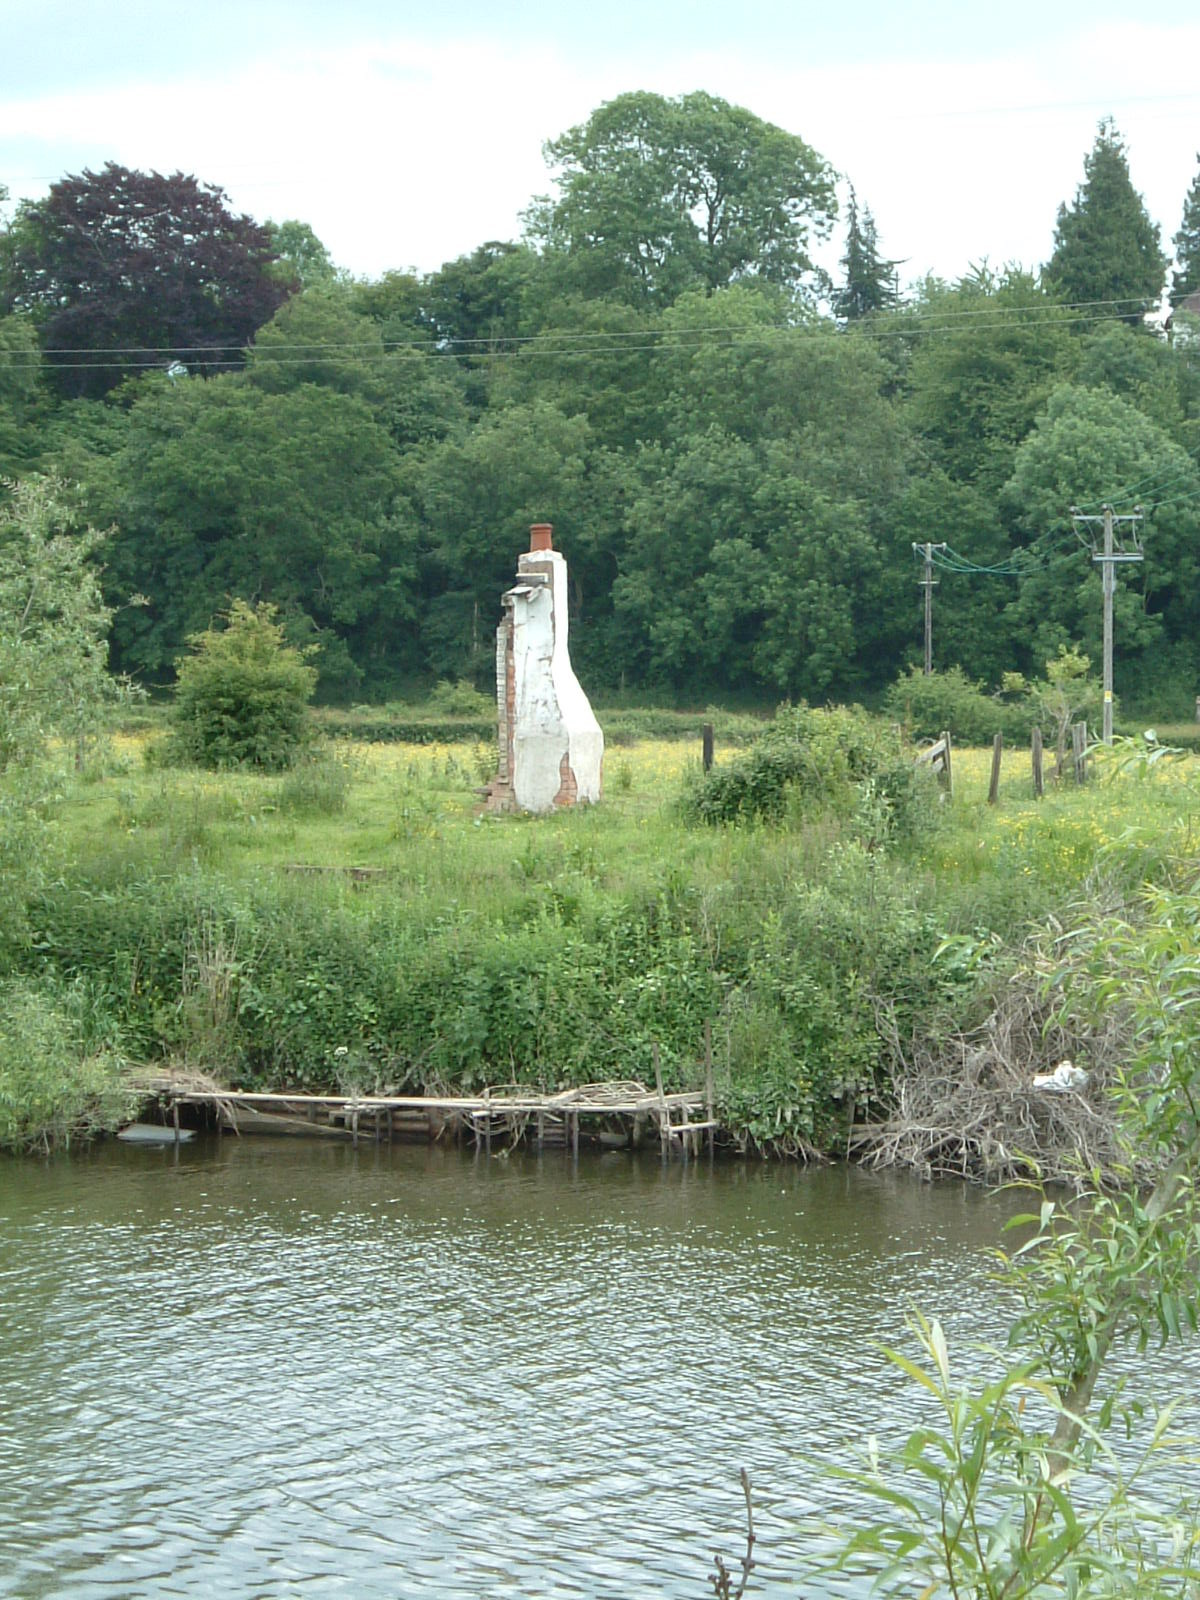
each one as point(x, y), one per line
point(738, 455)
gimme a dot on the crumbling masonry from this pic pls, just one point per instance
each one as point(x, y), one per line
point(550, 747)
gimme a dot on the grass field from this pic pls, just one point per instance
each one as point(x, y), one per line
point(558, 949)
point(415, 811)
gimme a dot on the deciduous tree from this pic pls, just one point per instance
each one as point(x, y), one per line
point(319, 338)
point(987, 353)
point(124, 270)
point(54, 678)
point(222, 491)
point(54, 624)
point(657, 195)
point(1087, 448)
point(300, 257)
point(478, 301)
point(21, 383)
point(476, 498)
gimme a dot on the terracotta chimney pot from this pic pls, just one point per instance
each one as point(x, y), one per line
point(540, 536)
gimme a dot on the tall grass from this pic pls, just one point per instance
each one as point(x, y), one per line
point(558, 949)
point(57, 1083)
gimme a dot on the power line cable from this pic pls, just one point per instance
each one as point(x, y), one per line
point(1174, 499)
point(1033, 557)
point(231, 357)
point(1162, 478)
point(1012, 315)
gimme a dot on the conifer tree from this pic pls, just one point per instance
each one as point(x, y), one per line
point(1186, 279)
point(869, 283)
point(1107, 252)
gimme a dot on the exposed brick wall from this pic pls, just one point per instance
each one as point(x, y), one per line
point(568, 789)
point(503, 716)
point(499, 793)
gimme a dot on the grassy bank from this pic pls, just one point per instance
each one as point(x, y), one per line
point(213, 920)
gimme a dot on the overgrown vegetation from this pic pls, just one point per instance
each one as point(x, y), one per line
point(426, 721)
point(561, 950)
point(54, 684)
point(928, 705)
point(58, 1080)
point(808, 761)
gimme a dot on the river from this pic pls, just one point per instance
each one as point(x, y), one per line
point(266, 1368)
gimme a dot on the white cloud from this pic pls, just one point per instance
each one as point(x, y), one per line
point(407, 153)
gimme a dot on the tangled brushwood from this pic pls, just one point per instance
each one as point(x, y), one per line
point(967, 1106)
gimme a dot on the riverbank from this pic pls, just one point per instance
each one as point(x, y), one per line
point(356, 926)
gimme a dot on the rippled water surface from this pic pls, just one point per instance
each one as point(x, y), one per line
point(273, 1368)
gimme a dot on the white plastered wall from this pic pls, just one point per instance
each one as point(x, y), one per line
point(558, 748)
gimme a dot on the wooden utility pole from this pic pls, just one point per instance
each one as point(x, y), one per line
point(927, 583)
point(1107, 559)
point(1107, 566)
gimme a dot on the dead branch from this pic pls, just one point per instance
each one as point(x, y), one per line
point(966, 1107)
point(722, 1578)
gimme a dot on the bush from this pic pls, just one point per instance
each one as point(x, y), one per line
point(802, 1019)
point(928, 706)
point(459, 699)
point(382, 727)
point(291, 983)
point(242, 695)
point(54, 1084)
point(809, 760)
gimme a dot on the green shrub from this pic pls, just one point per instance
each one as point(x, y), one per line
point(383, 725)
point(627, 726)
point(929, 705)
point(55, 1083)
point(459, 699)
point(807, 760)
point(242, 695)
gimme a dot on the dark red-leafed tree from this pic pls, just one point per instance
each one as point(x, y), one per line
point(126, 271)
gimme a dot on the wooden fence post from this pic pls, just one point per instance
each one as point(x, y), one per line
point(997, 753)
point(707, 736)
point(1079, 750)
point(948, 769)
point(662, 1099)
point(1039, 787)
point(709, 1096)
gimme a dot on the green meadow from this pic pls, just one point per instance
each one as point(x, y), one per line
point(359, 922)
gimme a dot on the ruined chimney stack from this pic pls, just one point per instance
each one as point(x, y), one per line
point(550, 747)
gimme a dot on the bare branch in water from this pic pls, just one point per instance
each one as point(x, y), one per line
point(722, 1578)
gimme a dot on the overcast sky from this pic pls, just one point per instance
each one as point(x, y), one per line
point(407, 134)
